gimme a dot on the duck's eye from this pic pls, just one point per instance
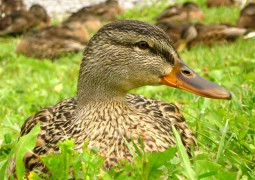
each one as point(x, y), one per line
point(143, 45)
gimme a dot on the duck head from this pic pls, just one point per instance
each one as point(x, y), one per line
point(194, 11)
point(124, 55)
point(40, 14)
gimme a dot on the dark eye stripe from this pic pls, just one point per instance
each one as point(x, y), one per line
point(163, 53)
point(168, 56)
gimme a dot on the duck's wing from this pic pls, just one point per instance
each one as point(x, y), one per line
point(101, 11)
point(85, 13)
point(169, 13)
point(166, 115)
point(54, 122)
point(62, 110)
point(218, 33)
point(40, 45)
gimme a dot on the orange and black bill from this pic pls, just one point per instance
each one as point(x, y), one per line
point(185, 78)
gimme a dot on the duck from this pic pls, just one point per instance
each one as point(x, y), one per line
point(247, 17)
point(94, 16)
point(121, 56)
point(22, 21)
point(217, 3)
point(195, 34)
point(54, 41)
point(175, 33)
point(190, 34)
point(176, 14)
point(9, 6)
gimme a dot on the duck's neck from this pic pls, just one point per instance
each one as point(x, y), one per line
point(98, 85)
point(96, 93)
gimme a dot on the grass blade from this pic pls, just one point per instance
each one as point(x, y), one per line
point(222, 140)
point(184, 156)
point(25, 143)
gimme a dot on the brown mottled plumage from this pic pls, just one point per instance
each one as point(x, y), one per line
point(217, 3)
point(210, 34)
point(9, 6)
point(121, 56)
point(186, 13)
point(22, 21)
point(247, 17)
point(174, 32)
point(53, 41)
point(193, 34)
point(93, 16)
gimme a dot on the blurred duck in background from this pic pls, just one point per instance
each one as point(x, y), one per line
point(217, 3)
point(247, 17)
point(188, 35)
point(54, 41)
point(176, 14)
point(93, 16)
point(22, 21)
point(210, 34)
point(175, 33)
point(9, 6)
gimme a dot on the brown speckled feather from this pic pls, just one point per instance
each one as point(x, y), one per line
point(22, 21)
point(57, 125)
point(64, 39)
point(177, 14)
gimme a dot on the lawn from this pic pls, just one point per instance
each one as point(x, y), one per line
point(225, 130)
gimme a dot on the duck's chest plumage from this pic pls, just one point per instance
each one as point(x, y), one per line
point(110, 128)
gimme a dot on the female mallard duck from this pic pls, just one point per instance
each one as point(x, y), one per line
point(186, 13)
point(93, 16)
point(22, 21)
point(121, 56)
point(53, 41)
point(195, 34)
point(247, 17)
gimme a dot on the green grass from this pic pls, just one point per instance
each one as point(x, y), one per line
point(225, 129)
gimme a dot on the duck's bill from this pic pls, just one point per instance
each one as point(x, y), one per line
point(183, 77)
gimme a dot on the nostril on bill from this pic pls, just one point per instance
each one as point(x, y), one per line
point(187, 72)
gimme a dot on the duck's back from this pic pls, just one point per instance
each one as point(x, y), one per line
point(51, 117)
